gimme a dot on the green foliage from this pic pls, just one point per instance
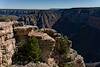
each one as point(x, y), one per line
point(33, 50)
point(64, 45)
point(28, 52)
point(68, 65)
point(63, 49)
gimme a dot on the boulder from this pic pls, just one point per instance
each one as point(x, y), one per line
point(24, 30)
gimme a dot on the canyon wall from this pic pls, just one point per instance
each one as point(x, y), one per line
point(81, 25)
point(7, 43)
point(48, 39)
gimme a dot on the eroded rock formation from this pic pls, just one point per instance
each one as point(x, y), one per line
point(7, 44)
point(50, 43)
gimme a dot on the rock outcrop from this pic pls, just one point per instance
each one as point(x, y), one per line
point(50, 43)
point(75, 59)
point(32, 65)
point(49, 40)
point(7, 43)
point(47, 43)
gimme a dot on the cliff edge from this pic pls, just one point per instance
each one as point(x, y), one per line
point(28, 46)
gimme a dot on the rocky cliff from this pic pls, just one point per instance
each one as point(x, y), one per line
point(7, 44)
point(55, 49)
point(81, 25)
point(50, 43)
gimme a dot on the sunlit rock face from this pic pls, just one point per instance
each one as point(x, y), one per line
point(48, 42)
point(7, 43)
point(76, 59)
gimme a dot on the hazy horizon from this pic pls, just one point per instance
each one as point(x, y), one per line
point(44, 8)
point(47, 4)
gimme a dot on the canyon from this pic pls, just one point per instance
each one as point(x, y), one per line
point(81, 25)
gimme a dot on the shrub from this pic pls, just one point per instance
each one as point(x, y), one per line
point(28, 52)
point(33, 50)
point(68, 65)
point(64, 45)
point(63, 49)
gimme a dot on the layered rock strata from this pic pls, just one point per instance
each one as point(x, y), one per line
point(7, 43)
